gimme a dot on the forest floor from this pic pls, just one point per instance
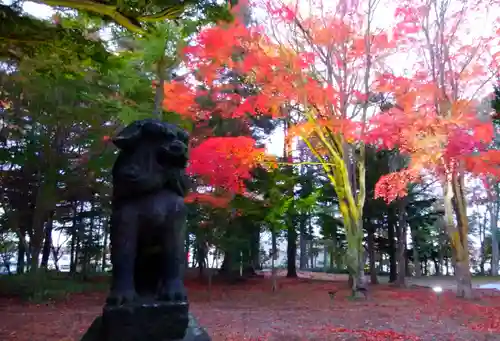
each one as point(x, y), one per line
point(300, 310)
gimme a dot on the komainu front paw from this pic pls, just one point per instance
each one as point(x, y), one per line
point(121, 297)
point(173, 291)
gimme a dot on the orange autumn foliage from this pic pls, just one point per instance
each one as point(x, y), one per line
point(433, 142)
point(225, 162)
point(280, 76)
point(435, 138)
point(434, 122)
point(208, 199)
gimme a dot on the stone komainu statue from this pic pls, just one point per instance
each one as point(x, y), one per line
point(148, 213)
point(147, 300)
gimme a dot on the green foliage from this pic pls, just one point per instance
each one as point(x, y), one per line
point(48, 286)
point(135, 16)
point(22, 35)
point(495, 102)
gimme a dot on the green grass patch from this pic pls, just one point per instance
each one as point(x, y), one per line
point(46, 286)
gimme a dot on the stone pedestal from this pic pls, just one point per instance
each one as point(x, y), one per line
point(157, 321)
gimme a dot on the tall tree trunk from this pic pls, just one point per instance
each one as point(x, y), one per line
point(187, 246)
point(355, 256)
point(454, 201)
point(416, 255)
point(104, 244)
point(332, 255)
point(47, 244)
point(37, 228)
point(21, 254)
point(227, 263)
point(441, 243)
point(311, 253)
point(274, 251)
point(291, 252)
point(407, 262)
point(401, 234)
point(481, 266)
point(291, 247)
point(482, 243)
point(17, 225)
point(438, 265)
point(325, 255)
point(255, 248)
point(78, 247)
point(159, 91)
point(87, 259)
point(45, 198)
point(74, 232)
point(453, 262)
point(303, 244)
point(55, 256)
point(494, 209)
point(372, 254)
point(201, 253)
point(392, 244)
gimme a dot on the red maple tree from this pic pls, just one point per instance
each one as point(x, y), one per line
point(287, 82)
point(220, 163)
point(433, 119)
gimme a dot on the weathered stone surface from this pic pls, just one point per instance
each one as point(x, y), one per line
point(152, 322)
point(146, 323)
point(148, 213)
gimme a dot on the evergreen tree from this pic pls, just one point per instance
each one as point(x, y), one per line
point(495, 102)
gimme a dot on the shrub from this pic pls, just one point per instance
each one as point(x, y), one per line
point(49, 285)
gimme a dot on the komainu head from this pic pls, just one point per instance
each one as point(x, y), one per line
point(153, 155)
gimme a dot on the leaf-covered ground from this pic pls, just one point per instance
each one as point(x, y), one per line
point(300, 310)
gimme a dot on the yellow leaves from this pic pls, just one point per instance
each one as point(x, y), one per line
point(329, 31)
point(274, 110)
point(5, 104)
point(270, 50)
point(267, 162)
point(426, 157)
point(460, 107)
point(301, 129)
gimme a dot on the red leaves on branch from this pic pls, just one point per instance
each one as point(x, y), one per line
point(179, 98)
point(432, 142)
point(486, 163)
point(395, 185)
point(225, 162)
point(444, 138)
point(279, 74)
point(435, 136)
